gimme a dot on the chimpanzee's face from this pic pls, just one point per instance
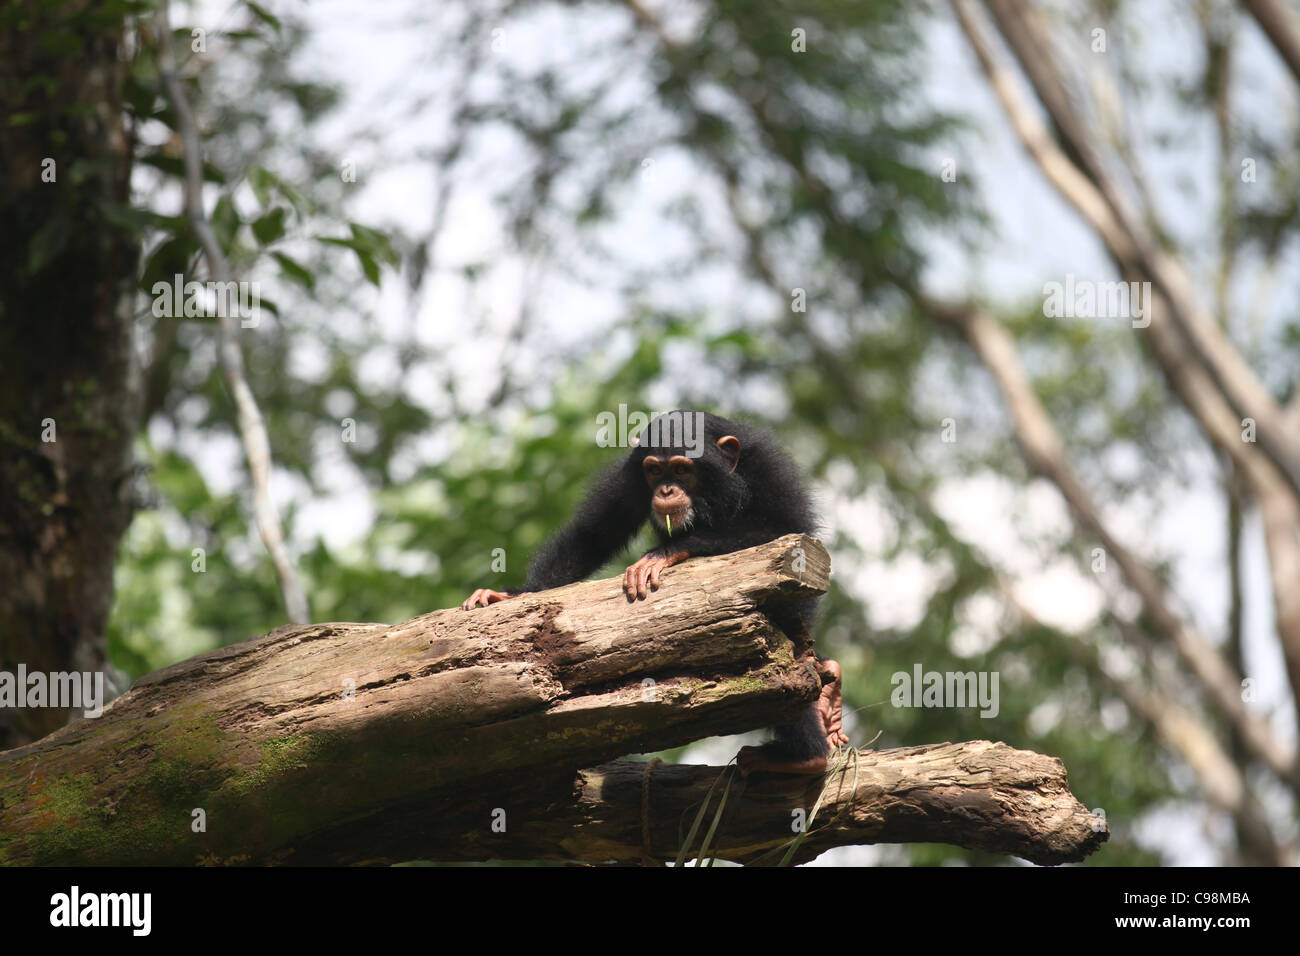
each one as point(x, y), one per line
point(680, 485)
point(673, 482)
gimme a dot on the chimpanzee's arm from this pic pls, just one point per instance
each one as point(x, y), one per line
point(615, 507)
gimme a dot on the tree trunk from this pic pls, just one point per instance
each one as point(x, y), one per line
point(68, 413)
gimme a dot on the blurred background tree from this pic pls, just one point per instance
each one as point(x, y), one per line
point(481, 225)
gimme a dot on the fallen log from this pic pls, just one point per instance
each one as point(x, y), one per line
point(461, 735)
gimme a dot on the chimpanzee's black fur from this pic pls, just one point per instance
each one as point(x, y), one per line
point(762, 499)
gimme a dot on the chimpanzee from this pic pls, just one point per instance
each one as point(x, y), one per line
point(708, 486)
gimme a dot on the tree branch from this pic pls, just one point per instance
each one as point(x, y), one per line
point(252, 430)
point(1173, 338)
point(1281, 27)
point(1045, 454)
point(1100, 201)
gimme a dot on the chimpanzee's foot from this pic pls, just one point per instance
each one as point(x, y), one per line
point(751, 759)
point(831, 704)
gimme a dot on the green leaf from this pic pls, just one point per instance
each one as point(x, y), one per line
point(261, 181)
point(370, 267)
point(374, 242)
point(225, 222)
point(270, 227)
point(137, 220)
point(175, 166)
point(263, 14)
point(294, 270)
point(171, 257)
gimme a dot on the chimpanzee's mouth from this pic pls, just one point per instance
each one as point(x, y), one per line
point(675, 521)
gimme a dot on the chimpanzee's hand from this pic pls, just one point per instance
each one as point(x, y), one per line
point(645, 573)
point(483, 596)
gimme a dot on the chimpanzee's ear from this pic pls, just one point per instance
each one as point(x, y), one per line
point(729, 445)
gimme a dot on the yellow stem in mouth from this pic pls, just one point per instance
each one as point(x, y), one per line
point(668, 520)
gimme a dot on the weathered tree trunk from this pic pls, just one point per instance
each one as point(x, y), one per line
point(459, 735)
point(67, 282)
